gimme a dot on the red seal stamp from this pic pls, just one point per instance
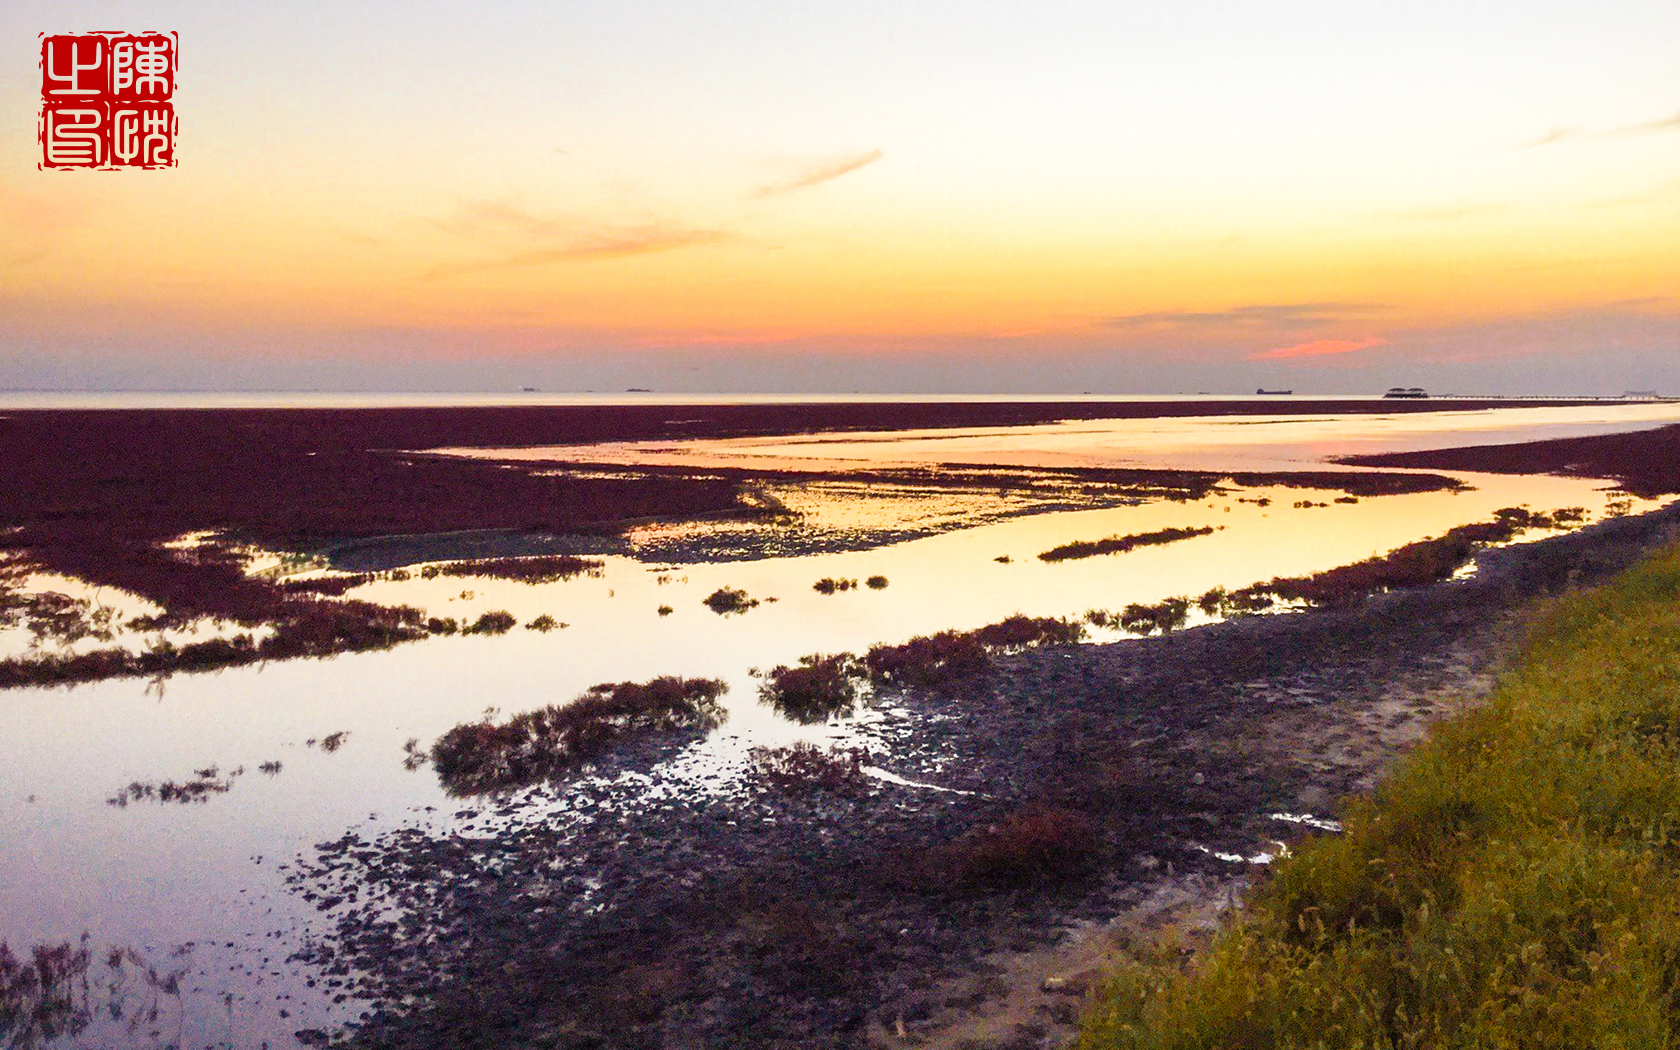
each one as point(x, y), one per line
point(107, 100)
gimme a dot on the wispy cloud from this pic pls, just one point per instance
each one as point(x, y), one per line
point(1650, 127)
point(819, 172)
point(1557, 134)
point(522, 239)
point(1316, 348)
point(1263, 316)
point(1646, 127)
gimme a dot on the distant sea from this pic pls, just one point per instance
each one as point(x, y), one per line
point(73, 399)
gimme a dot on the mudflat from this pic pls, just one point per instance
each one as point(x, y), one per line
point(1071, 788)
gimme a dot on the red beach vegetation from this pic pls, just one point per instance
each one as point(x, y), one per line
point(1037, 844)
point(553, 741)
point(550, 568)
point(816, 689)
point(950, 656)
point(1121, 544)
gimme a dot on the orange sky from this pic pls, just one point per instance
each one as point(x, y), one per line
point(1173, 191)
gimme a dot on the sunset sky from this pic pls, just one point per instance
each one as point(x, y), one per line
point(887, 197)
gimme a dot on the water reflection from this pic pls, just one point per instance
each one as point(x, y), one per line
point(1280, 442)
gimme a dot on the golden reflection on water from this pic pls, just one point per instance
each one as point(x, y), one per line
point(1281, 442)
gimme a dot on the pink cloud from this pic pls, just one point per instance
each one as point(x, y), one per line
point(1316, 348)
point(820, 172)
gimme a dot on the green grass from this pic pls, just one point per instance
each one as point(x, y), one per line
point(1515, 883)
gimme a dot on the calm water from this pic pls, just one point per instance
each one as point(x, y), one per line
point(211, 875)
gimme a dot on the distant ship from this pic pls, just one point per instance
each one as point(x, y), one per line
point(1407, 391)
point(1263, 390)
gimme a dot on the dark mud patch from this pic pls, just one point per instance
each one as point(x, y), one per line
point(704, 909)
point(1646, 462)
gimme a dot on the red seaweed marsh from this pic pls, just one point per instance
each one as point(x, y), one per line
point(802, 814)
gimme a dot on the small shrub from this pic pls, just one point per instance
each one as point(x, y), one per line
point(539, 745)
point(1214, 601)
point(929, 660)
point(666, 610)
point(442, 626)
point(876, 583)
point(727, 600)
point(1165, 616)
point(544, 623)
point(1022, 632)
point(949, 656)
point(818, 688)
point(497, 622)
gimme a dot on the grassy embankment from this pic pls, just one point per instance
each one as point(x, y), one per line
point(1514, 883)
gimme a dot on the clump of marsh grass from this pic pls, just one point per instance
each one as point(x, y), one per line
point(305, 627)
point(1121, 544)
point(816, 689)
point(498, 621)
point(197, 788)
point(1166, 616)
point(413, 755)
point(544, 624)
point(727, 600)
point(549, 568)
point(43, 996)
point(51, 616)
point(554, 741)
point(949, 656)
point(1412, 565)
point(830, 585)
point(876, 583)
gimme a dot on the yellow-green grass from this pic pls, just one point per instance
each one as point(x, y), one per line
point(1515, 883)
